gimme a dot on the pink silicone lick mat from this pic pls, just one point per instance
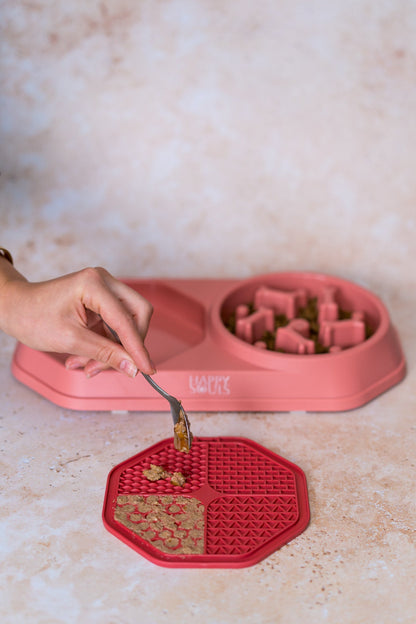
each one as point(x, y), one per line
point(209, 368)
point(249, 503)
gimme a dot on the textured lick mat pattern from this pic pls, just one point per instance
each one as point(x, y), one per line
point(169, 523)
point(240, 502)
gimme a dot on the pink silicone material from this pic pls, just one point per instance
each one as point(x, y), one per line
point(335, 334)
point(347, 333)
point(294, 338)
point(210, 369)
point(328, 307)
point(280, 301)
point(253, 326)
point(254, 500)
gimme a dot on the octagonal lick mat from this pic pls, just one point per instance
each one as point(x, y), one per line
point(240, 503)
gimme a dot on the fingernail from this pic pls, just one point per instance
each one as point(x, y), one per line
point(128, 368)
point(154, 370)
point(93, 372)
point(72, 365)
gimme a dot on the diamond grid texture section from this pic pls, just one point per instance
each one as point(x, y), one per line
point(192, 465)
point(238, 525)
point(235, 468)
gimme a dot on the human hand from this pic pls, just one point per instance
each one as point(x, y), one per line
point(58, 315)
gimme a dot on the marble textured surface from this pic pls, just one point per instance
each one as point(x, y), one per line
point(210, 138)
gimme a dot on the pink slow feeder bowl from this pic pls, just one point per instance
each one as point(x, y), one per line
point(211, 368)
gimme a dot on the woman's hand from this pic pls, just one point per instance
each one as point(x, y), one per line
point(58, 315)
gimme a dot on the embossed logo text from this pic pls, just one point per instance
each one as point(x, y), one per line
point(209, 384)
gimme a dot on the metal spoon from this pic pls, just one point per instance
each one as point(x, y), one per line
point(182, 429)
point(179, 416)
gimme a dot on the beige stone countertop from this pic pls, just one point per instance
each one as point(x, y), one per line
point(354, 563)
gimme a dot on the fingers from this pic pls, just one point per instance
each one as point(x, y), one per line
point(127, 313)
point(90, 367)
point(98, 352)
point(137, 306)
point(76, 361)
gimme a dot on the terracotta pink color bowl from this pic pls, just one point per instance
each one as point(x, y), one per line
point(200, 361)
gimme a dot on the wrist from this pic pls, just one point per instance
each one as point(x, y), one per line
point(8, 272)
point(12, 303)
point(9, 278)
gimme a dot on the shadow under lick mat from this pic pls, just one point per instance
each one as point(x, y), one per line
point(240, 503)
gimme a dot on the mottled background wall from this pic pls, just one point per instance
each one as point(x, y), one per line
point(210, 137)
